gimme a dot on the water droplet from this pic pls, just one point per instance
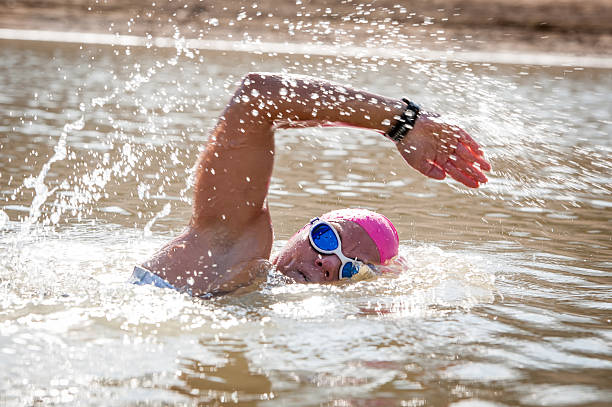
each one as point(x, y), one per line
point(55, 217)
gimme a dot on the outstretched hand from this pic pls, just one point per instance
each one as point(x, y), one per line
point(435, 149)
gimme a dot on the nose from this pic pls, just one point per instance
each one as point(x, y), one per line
point(328, 266)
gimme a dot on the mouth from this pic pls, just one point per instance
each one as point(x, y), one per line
point(291, 270)
point(298, 276)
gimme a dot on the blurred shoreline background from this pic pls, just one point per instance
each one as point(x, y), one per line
point(540, 26)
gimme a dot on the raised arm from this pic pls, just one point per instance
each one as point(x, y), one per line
point(235, 169)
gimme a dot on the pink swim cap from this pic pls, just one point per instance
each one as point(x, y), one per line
point(378, 227)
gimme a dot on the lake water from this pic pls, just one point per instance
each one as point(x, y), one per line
point(505, 294)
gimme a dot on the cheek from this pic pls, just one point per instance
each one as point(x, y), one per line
point(287, 258)
point(281, 261)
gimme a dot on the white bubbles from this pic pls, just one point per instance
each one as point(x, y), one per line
point(213, 21)
point(55, 217)
point(254, 93)
point(4, 219)
point(283, 91)
point(254, 112)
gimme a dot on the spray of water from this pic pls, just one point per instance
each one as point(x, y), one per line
point(141, 106)
point(42, 191)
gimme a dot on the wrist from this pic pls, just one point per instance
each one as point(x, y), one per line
point(405, 122)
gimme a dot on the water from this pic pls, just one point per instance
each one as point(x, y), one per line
point(505, 297)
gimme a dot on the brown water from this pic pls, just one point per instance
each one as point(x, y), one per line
point(506, 294)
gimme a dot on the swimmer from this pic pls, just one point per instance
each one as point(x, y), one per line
point(228, 240)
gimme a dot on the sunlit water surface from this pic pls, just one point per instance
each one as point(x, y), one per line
point(504, 296)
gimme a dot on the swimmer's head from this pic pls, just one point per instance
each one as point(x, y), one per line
point(365, 235)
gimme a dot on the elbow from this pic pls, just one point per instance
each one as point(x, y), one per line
point(252, 80)
point(255, 78)
point(264, 82)
point(257, 91)
point(250, 89)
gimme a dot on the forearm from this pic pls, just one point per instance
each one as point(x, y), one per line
point(281, 100)
point(433, 147)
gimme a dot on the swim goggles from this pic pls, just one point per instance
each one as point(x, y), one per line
point(325, 239)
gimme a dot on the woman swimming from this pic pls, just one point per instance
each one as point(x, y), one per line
point(228, 241)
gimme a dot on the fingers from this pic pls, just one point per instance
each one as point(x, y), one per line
point(432, 170)
point(466, 154)
point(465, 138)
point(472, 156)
point(449, 151)
point(467, 167)
point(459, 175)
point(471, 146)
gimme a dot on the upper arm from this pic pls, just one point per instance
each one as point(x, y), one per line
point(234, 170)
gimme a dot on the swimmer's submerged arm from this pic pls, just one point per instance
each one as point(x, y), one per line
point(235, 169)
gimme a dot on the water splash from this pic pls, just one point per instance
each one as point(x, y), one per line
point(4, 220)
point(42, 191)
point(164, 212)
point(423, 281)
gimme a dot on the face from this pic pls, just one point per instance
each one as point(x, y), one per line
point(300, 261)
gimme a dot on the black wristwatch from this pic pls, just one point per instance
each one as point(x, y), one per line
point(405, 123)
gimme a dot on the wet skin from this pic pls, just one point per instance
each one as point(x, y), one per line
point(300, 261)
point(229, 237)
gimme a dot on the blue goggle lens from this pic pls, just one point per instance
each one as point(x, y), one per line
point(324, 238)
point(349, 270)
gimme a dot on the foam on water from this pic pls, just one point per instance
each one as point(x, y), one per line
point(82, 268)
point(67, 294)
